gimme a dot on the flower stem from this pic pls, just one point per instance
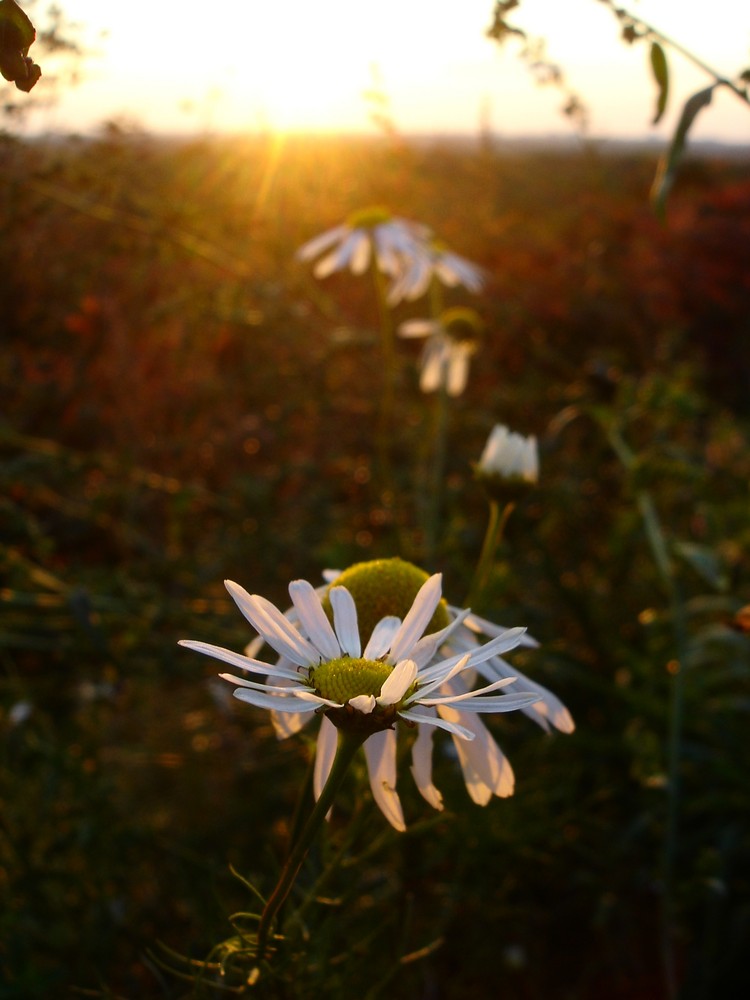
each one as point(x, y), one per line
point(660, 550)
point(435, 487)
point(385, 416)
point(492, 538)
point(348, 745)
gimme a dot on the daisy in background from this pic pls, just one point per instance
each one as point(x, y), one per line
point(509, 456)
point(370, 237)
point(507, 468)
point(451, 340)
point(363, 688)
point(436, 262)
point(404, 251)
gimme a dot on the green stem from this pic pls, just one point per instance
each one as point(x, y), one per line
point(385, 416)
point(348, 745)
point(436, 480)
point(660, 37)
point(492, 538)
point(660, 551)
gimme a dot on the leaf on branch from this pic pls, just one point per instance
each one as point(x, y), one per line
point(661, 75)
point(667, 168)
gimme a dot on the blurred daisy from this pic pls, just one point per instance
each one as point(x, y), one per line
point(323, 669)
point(372, 235)
point(403, 250)
point(435, 261)
point(451, 341)
point(508, 455)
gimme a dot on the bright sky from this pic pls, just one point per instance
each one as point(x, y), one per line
point(245, 65)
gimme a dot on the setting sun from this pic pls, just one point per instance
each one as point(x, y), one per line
point(302, 66)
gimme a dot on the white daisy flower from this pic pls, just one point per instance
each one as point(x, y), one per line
point(403, 250)
point(372, 234)
point(436, 261)
point(486, 770)
point(324, 670)
point(451, 341)
point(509, 456)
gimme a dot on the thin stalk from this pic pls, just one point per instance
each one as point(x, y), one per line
point(659, 36)
point(387, 397)
point(495, 528)
point(660, 550)
point(439, 437)
point(437, 475)
point(348, 745)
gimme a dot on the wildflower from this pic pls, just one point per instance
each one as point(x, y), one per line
point(369, 235)
point(486, 770)
point(403, 250)
point(509, 463)
point(436, 261)
point(399, 674)
point(451, 341)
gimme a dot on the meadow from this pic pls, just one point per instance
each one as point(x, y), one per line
point(182, 402)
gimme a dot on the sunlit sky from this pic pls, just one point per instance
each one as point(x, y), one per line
point(303, 65)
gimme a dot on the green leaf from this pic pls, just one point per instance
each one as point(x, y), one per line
point(705, 562)
point(667, 168)
point(661, 75)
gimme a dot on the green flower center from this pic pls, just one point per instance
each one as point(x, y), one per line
point(368, 218)
point(384, 587)
point(345, 678)
point(462, 323)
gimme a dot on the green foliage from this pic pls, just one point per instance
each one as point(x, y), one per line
point(182, 403)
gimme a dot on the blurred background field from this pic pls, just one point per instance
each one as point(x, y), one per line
point(182, 403)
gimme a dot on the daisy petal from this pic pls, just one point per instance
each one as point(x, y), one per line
point(273, 626)
point(380, 751)
point(278, 703)
point(417, 619)
point(421, 767)
point(364, 703)
point(502, 703)
point(381, 637)
point(325, 753)
point(238, 660)
point(345, 621)
point(412, 715)
point(398, 682)
point(313, 619)
point(315, 246)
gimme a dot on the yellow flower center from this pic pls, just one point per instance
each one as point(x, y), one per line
point(345, 678)
point(462, 323)
point(368, 218)
point(384, 587)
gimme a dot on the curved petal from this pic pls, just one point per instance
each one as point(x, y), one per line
point(345, 621)
point(458, 370)
point(325, 752)
point(424, 717)
point(321, 242)
point(279, 703)
point(361, 249)
point(421, 767)
point(241, 661)
point(398, 682)
point(380, 751)
point(313, 619)
point(417, 619)
point(269, 622)
point(364, 703)
point(485, 767)
point(380, 640)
